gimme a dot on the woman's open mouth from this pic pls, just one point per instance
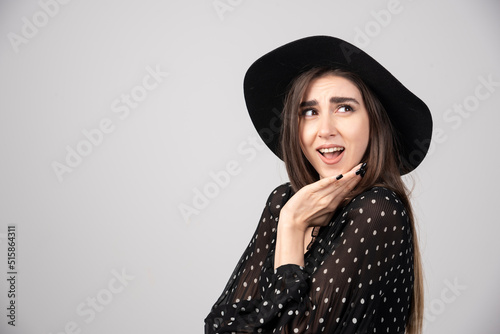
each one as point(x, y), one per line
point(331, 155)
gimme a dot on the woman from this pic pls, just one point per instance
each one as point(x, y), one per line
point(336, 248)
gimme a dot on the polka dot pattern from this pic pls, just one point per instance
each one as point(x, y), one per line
point(357, 278)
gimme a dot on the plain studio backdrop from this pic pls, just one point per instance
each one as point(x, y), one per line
point(134, 178)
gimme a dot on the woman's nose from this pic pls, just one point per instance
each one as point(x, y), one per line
point(327, 127)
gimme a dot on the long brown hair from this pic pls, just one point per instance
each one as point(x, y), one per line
point(384, 164)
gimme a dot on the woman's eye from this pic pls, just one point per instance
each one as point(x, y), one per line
point(344, 108)
point(308, 112)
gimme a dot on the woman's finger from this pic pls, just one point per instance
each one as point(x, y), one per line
point(319, 199)
point(325, 186)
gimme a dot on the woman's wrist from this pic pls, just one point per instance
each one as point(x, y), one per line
point(289, 247)
point(289, 242)
point(293, 225)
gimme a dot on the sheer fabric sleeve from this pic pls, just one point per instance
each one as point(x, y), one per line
point(256, 295)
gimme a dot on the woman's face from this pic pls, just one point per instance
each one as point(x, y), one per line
point(333, 125)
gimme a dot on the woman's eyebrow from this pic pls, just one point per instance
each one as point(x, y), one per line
point(337, 100)
point(334, 100)
point(308, 103)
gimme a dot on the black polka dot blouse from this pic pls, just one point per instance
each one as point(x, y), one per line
point(357, 278)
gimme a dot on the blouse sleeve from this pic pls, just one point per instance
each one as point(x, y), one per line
point(357, 275)
point(256, 295)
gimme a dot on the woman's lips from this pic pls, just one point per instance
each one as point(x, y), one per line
point(331, 158)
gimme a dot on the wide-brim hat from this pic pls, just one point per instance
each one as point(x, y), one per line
point(268, 78)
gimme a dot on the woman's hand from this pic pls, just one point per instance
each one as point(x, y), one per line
point(314, 204)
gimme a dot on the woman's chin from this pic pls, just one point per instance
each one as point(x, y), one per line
point(329, 173)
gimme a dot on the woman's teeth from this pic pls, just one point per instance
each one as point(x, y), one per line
point(330, 150)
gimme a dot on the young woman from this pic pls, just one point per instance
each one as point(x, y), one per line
point(336, 249)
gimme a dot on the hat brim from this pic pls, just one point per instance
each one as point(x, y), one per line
point(268, 78)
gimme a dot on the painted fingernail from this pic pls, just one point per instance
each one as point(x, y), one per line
point(358, 171)
point(339, 176)
point(362, 173)
point(363, 165)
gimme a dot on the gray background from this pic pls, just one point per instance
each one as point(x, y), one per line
point(119, 210)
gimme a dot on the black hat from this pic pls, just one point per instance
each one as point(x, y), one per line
point(268, 78)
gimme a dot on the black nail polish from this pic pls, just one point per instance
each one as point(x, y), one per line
point(358, 171)
point(362, 173)
point(339, 176)
point(363, 165)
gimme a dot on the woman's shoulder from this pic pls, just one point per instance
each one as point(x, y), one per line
point(378, 198)
point(378, 192)
point(278, 197)
point(377, 209)
point(282, 189)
